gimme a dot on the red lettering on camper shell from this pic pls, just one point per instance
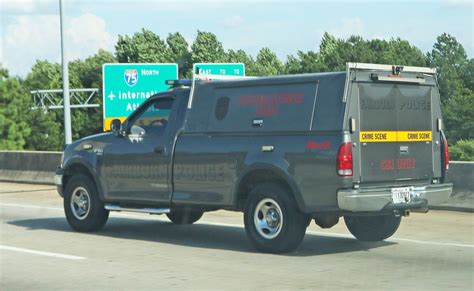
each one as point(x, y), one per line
point(269, 104)
point(313, 145)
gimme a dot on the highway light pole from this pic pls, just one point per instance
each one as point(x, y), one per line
point(66, 103)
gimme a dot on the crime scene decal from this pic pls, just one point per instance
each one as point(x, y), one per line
point(395, 136)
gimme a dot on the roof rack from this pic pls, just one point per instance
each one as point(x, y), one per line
point(377, 67)
point(406, 69)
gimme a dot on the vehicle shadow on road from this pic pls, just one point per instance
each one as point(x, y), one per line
point(199, 235)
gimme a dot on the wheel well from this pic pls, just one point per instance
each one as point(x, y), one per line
point(255, 177)
point(75, 170)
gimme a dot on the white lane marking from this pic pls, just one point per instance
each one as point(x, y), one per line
point(24, 191)
point(329, 234)
point(41, 253)
point(30, 206)
point(448, 244)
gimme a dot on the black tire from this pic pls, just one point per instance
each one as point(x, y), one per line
point(95, 217)
point(282, 227)
point(373, 228)
point(181, 216)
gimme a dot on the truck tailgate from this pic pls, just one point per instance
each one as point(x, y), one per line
point(395, 131)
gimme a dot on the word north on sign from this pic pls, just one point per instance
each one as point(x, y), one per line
point(126, 86)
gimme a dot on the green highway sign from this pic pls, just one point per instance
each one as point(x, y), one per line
point(228, 69)
point(126, 86)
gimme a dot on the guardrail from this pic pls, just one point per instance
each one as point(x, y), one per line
point(39, 167)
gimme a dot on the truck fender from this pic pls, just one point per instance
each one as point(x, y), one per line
point(85, 166)
point(277, 172)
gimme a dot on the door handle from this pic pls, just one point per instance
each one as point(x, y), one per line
point(159, 149)
point(268, 148)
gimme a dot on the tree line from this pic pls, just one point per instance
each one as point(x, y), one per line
point(24, 128)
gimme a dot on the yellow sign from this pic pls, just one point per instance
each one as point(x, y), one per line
point(395, 136)
point(108, 122)
point(378, 136)
point(414, 136)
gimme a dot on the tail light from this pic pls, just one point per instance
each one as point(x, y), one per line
point(344, 160)
point(446, 154)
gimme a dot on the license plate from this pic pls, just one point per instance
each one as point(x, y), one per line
point(401, 195)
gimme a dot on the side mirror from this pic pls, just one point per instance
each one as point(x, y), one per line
point(116, 125)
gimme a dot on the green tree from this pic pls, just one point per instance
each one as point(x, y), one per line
point(47, 126)
point(13, 128)
point(46, 130)
point(179, 53)
point(143, 47)
point(335, 53)
point(87, 121)
point(44, 75)
point(455, 85)
point(463, 150)
point(329, 52)
point(450, 58)
point(240, 56)
point(89, 71)
point(207, 49)
point(3, 73)
point(458, 115)
point(468, 75)
point(267, 63)
point(400, 52)
point(304, 62)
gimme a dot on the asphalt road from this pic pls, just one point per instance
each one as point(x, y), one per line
point(38, 251)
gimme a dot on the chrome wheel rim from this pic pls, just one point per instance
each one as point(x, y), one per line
point(268, 218)
point(80, 203)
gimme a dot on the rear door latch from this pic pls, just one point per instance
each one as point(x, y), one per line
point(404, 150)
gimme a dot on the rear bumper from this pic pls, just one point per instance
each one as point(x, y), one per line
point(378, 199)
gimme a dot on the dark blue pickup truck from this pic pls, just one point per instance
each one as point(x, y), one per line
point(366, 144)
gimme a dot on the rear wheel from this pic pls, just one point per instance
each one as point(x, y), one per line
point(82, 206)
point(272, 219)
point(179, 216)
point(373, 228)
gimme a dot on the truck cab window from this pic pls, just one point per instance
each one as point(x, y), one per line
point(154, 118)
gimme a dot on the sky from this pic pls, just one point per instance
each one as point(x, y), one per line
point(30, 28)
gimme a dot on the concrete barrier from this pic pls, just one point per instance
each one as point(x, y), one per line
point(39, 167)
point(29, 166)
point(461, 174)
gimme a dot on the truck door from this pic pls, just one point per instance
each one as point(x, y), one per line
point(138, 162)
point(395, 131)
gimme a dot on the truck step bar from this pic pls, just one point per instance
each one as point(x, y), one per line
point(112, 207)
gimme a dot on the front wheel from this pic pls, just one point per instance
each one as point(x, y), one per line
point(373, 228)
point(272, 219)
point(82, 206)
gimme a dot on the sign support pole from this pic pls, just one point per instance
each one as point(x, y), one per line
point(65, 71)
